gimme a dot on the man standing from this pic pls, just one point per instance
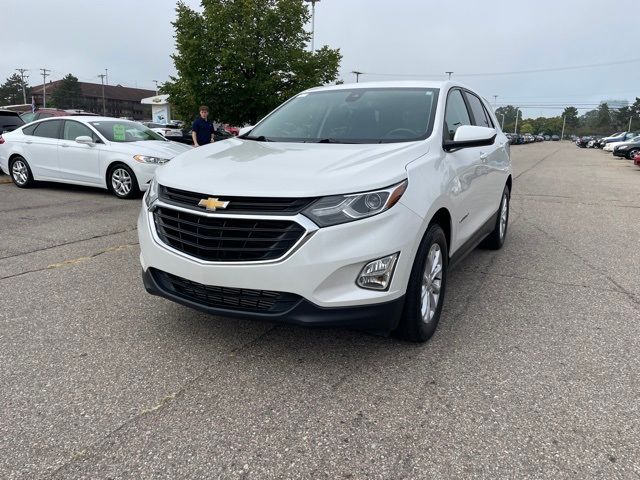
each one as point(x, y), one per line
point(202, 129)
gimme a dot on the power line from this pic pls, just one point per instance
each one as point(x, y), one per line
point(515, 72)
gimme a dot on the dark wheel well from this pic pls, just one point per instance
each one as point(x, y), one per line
point(509, 184)
point(15, 155)
point(443, 218)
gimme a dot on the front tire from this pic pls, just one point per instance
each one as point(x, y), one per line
point(21, 173)
point(631, 153)
point(495, 240)
point(122, 182)
point(426, 289)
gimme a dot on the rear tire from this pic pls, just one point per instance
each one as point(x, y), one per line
point(122, 181)
point(495, 240)
point(21, 172)
point(632, 152)
point(426, 289)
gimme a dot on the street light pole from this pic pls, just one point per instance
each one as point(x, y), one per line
point(502, 126)
point(564, 119)
point(104, 109)
point(156, 82)
point(357, 74)
point(515, 130)
point(313, 22)
point(495, 101)
point(449, 74)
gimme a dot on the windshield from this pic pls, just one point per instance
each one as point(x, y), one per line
point(125, 131)
point(375, 115)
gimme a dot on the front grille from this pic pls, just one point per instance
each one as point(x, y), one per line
point(219, 239)
point(244, 205)
point(237, 299)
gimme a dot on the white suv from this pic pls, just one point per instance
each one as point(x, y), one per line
point(344, 206)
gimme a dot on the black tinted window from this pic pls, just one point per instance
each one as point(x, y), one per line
point(456, 114)
point(10, 122)
point(73, 130)
point(29, 130)
point(480, 117)
point(48, 129)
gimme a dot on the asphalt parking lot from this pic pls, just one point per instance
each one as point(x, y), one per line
point(534, 371)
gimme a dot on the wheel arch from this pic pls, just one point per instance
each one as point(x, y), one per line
point(443, 218)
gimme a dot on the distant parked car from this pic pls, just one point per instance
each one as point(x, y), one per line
point(105, 152)
point(627, 149)
point(53, 112)
point(170, 132)
point(616, 137)
point(636, 158)
point(218, 135)
point(555, 138)
point(611, 146)
point(9, 121)
point(539, 138)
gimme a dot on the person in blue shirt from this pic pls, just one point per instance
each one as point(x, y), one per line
point(202, 129)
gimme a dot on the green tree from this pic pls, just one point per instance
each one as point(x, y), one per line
point(604, 116)
point(67, 93)
point(11, 91)
point(243, 58)
point(571, 118)
point(509, 113)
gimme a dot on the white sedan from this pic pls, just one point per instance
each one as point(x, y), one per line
point(168, 131)
point(105, 152)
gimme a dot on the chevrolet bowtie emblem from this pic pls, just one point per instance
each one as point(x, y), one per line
point(212, 204)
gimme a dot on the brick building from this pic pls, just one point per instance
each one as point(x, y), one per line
point(119, 101)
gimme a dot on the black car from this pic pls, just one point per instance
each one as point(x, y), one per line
point(218, 134)
point(555, 138)
point(9, 121)
point(627, 150)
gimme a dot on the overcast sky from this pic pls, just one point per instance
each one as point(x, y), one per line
point(400, 39)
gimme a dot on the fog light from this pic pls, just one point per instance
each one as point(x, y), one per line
point(376, 275)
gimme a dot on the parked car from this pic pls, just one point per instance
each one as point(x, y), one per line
point(555, 138)
point(636, 158)
point(218, 135)
point(119, 155)
point(539, 138)
point(9, 121)
point(547, 137)
point(170, 132)
point(627, 149)
point(53, 112)
point(610, 146)
point(347, 205)
point(616, 137)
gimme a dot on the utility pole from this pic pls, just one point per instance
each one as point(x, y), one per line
point(106, 72)
point(45, 74)
point(313, 22)
point(502, 126)
point(449, 74)
point(515, 130)
point(564, 119)
point(629, 129)
point(495, 101)
point(156, 82)
point(24, 92)
point(104, 109)
point(357, 74)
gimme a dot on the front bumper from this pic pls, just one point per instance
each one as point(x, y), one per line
point(322, 271)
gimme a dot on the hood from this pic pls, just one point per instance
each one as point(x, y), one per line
point(238, 167)
point(154, 148)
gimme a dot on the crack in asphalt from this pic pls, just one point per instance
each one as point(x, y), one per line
point(167, 400)
point(74, 261)
point(536, 164)
point(630, 295)
point(72, 242)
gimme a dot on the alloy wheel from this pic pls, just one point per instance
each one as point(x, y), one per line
point(431, 283)
point(504, 213)
point(121, 182)
point(20, 172)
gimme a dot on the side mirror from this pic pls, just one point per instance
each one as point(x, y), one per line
point(470, 136)
point(245, 130)
point(84, 140)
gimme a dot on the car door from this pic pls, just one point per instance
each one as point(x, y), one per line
point(493, 161)
point(79, 162)
point(41, 150)
point(464, 162)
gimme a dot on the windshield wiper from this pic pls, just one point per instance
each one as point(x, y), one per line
point(261, 138)
point(332, 140)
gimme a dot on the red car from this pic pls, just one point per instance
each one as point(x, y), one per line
point(636, 158)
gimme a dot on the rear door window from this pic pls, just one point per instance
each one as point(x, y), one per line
point(480, 116)
point(50, 129)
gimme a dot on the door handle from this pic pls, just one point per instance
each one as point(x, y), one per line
point(65, 145)
point(483, 157)
point(29, 142)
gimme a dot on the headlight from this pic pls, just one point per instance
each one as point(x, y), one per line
point(338, 209)
point(148, 159)
point(152, 194)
